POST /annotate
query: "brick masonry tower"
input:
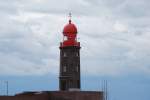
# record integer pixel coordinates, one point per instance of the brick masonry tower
(69, 76)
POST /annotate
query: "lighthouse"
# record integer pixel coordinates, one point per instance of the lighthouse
(69, 75)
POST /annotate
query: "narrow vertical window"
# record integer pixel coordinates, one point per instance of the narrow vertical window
(78, 83)
(64, 54)
(65, 37)
(64, 69)
(77, 68)
(77, 54)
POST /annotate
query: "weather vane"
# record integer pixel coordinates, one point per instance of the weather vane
(70, 15)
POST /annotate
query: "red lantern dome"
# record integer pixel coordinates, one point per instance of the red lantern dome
(70, 29)
(70, 35)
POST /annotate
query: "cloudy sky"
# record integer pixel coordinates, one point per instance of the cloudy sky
(114, 36)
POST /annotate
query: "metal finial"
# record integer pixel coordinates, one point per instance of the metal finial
(70, 15)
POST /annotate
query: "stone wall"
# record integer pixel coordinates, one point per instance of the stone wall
(56, 95)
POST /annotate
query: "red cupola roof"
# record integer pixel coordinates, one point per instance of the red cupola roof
(70, 35)
(70, 29)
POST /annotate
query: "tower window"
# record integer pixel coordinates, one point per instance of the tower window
(64, 54)
(77, 68)
(77, 54)
(78, 83)
(65, 69)
(65, 37)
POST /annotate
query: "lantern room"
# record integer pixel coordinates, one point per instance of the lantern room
(70, 35)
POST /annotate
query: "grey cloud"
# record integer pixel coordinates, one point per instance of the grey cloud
(23, 51)
(9, 7)
(30, 32)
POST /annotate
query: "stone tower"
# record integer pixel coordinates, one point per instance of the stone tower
(69, 76)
